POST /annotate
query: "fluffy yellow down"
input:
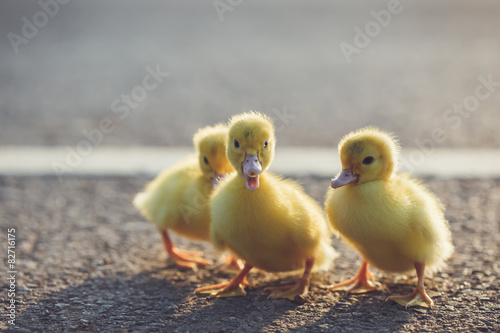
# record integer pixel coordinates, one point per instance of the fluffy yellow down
(276, 227)
(391, 219)
(177, 199)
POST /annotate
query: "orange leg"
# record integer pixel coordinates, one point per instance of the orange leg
(299, 289)
(360, 283)
(182, 258)
(417, 298)
(235, 287)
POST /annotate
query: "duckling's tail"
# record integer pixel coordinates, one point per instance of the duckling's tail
(151, 204)
(141, 203)
(443, 251)
(325, 256)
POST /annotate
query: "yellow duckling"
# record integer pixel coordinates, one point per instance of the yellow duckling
(268, 222)
(177, 199)
(393, 221)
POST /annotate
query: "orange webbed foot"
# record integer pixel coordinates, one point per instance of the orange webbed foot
(363, 282)
(226, 289)
(185, 264)
(418, 297)
(290, 292)
(300, 289)
(190, 257)
(235, 287)
(185, 259)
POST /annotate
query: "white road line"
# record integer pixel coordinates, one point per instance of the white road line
(289, 161)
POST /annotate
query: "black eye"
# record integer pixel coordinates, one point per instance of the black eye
(236, 144)
(266, 143)
(368, 160)
(205, 159)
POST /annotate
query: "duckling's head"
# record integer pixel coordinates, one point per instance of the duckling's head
(367, 154)
(210, 142)
(250, 145)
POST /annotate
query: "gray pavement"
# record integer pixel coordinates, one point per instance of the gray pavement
(87, 261)
(281, 57)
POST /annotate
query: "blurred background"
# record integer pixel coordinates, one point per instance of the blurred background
(320, 68)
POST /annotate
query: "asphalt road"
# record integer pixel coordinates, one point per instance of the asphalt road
(87, 261)
(80, 61)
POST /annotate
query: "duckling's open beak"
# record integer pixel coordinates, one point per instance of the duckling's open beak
(251, 168)
(344, 178)
(217, 178)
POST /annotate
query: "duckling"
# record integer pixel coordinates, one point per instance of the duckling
(177, 199)
(268, 222)
(391, 219)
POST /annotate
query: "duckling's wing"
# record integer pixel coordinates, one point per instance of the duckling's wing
(430, 242)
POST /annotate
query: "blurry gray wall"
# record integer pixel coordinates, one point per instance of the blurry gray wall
(285, 58)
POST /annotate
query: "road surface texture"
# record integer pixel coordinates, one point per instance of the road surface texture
(87, 261)
(281, 57)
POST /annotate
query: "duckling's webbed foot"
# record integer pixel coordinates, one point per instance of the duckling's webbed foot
(300, 289)
(226, 289)
(417, 298)
(291, 292)
(363, 282)
(235, 287)
(182, 258)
